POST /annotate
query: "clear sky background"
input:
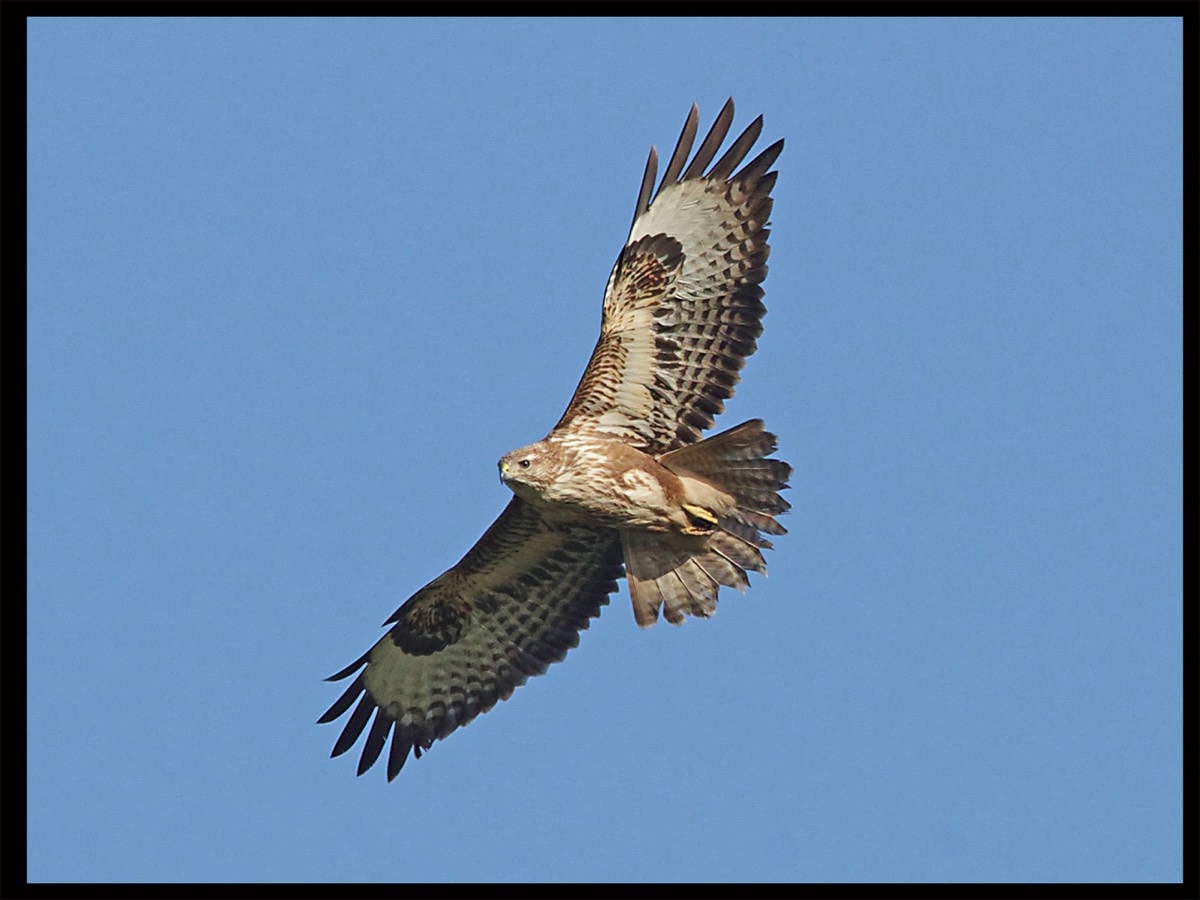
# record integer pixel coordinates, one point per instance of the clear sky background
(296, 285)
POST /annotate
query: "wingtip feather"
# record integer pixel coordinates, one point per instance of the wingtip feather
(682, 148)
(350, 669)
(737, 151)
(712, 142)
(355, 725)
(648, 178)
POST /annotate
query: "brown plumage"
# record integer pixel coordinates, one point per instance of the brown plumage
(623, 484)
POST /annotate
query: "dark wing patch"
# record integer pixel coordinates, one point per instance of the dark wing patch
(658, 383)
(511, 607)
(427, 627)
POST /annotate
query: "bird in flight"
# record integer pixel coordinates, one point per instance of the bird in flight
(624, 484)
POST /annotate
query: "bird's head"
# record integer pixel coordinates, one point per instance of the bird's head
(529, 470)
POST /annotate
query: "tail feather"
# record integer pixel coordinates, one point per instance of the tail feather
(735, 460)
(746, 532)
(762, 522)
(701, 593)
(682, 574)
(738, 550)
(663, 575)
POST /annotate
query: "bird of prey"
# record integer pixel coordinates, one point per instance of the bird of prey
(623, 485)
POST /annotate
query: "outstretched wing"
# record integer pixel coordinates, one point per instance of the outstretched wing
(683, 306)
(512, 606)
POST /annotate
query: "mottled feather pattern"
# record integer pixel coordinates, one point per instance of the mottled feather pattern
(606, 395)
(533, 588)
(663, 393)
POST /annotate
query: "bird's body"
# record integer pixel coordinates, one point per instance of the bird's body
(608, 483)
(623, 485)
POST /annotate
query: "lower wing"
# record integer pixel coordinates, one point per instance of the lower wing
(512, 606)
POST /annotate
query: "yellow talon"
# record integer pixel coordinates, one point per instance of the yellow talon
(698, 515)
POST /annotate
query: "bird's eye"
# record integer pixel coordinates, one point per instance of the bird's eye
(524, 464)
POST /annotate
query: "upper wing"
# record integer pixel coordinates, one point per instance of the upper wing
(683, 306)
(512, 606)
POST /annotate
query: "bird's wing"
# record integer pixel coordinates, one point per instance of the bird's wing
(512, 606)
(683, 306)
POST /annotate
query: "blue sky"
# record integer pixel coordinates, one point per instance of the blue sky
(296, 285)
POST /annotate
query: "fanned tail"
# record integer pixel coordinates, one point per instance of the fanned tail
(682, 573)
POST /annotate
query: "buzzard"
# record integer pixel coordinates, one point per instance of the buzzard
(624, 484)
